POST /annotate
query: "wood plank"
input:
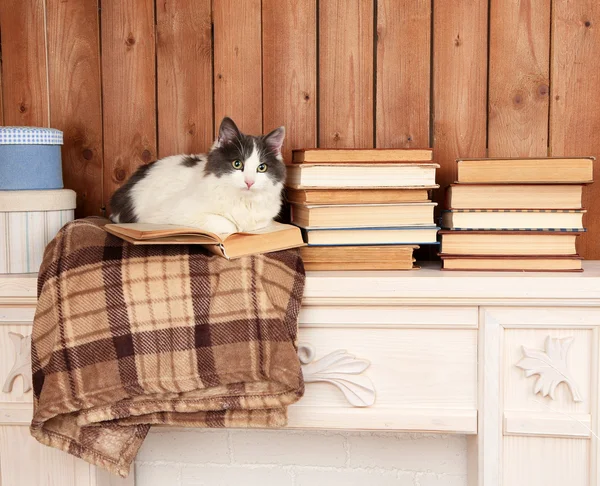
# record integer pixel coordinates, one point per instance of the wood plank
(519, 77)
(128, 82)
(403, 73)
(24, 72)
(290, 71)
(574, 105)
(184, 77)
(76, 97)
(459, 85)
(238, 72)
(345, 74)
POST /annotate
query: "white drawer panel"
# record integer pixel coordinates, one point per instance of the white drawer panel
(424, 379)
(389, 316)
(24, 313)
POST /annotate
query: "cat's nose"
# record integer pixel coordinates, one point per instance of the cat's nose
(249, 183)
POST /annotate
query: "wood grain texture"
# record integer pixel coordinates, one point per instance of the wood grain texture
(574, 109)
(290, 71)
(345, 73)
(459, 85)
(128, 82)
(184, 76)
(76, 97)
(403, 73)
(24, 68)
(519, 77)
(238, 58)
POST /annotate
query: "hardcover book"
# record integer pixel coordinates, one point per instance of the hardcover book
(363, 215)
(508, 243)
(512, 170)
(514, 219)
(361, 155)
(553, 263)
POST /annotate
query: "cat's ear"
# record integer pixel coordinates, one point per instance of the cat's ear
(274, 140)
(228, 131)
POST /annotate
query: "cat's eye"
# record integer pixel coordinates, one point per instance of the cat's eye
(237, 164)
(262, 168)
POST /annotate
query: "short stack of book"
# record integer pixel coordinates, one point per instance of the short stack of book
(515, 214)
(362, 209)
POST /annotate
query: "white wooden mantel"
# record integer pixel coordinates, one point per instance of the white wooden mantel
(512, 360)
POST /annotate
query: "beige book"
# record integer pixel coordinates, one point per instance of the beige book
(510, 196)
(363, 215)
(272, 238)
(357, 196)
(507, 243)
(541, 171)
(512, 263)
(362, 155)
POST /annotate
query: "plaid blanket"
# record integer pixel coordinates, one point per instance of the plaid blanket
(128, 336)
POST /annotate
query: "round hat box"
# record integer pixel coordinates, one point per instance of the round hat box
(28, 222)
(30, 158)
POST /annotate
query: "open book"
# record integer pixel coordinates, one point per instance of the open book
(274, 237)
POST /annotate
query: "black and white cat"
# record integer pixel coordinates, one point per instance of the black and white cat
(235, 187)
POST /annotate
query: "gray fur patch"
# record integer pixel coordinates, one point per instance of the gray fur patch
(121, 202)
(190, 160)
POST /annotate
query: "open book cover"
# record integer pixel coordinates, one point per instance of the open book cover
(274, 237)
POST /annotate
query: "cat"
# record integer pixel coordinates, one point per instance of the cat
(236, 187)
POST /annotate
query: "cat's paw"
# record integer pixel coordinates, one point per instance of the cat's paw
(219, 225)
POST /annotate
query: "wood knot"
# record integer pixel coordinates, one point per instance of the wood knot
(22, 108)
(543, 90)
(457, 41)
(305, 96)
(87, 154)
(120, 174)
(409, 139)
(587, 23)
(191, 128)
(146, 155)
(130, 41)
(336, 136)
(518, 99)
(219, 76)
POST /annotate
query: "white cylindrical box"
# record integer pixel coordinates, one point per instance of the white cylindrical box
(28, 221)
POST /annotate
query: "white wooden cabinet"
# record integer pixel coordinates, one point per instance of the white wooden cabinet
(426, 350)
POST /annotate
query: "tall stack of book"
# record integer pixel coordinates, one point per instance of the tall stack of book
(515, 214)
(362, 209)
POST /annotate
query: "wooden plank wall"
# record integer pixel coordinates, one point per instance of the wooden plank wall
(129, 81)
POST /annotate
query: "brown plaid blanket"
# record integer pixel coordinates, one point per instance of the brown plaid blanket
(127, 336)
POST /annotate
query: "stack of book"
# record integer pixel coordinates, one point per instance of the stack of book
(515, 214)
(362, 209)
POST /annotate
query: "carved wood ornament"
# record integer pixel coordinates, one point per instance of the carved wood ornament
(22, 364)
(550, 366)
(342, 370)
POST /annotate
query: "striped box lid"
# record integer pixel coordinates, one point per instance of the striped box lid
(37, 200)
(30, 136)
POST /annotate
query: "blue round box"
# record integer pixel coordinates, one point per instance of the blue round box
(30, 158)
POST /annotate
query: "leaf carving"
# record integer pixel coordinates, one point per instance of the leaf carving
(550, 366)
(22, 365)
(340, 369)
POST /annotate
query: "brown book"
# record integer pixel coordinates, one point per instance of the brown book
(508, 243)
(550, 170)
(512, 263)
(361, 155)
(361, 176)
(511, 196)
(363, 215)
(272, 238)
(359, 257)
(357, 196)
(514, 219)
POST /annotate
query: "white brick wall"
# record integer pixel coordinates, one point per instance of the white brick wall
(191, 457)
